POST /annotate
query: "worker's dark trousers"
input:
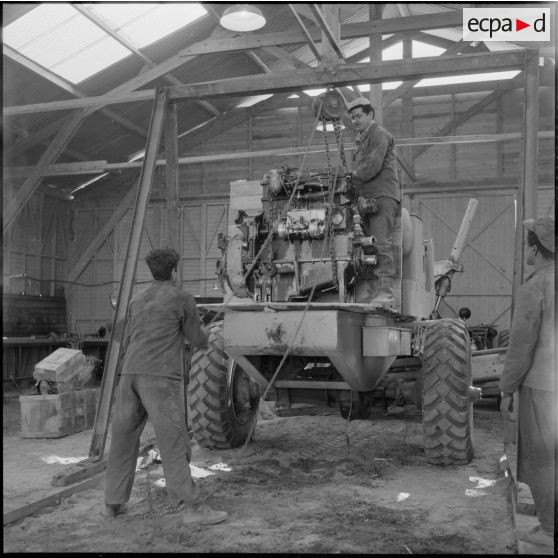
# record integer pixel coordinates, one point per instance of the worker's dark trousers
(381, 225)
(536, 443)
(162, 401)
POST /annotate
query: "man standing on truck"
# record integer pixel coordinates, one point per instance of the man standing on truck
(530, 368)
(159, 322)
(375, 172)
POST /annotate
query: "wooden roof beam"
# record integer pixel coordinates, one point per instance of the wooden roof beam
(328, 32)
(65, 134)
(344, 75)
(93, 167)
(351, 75)
(308, 39)
(69, 88)
(347, 31)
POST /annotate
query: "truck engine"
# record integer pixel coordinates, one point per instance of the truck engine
(308, 243)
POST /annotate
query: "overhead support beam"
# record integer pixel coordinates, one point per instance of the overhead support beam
(352, 74)
(307, 36)
(347, 31)
(97, 102)
(94, 167)
(330, 33)
(69, 88)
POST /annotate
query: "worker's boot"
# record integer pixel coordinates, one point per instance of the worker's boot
(112, 510)
(537, 536)
(385, 293)
(202, 514)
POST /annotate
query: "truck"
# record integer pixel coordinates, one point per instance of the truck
(292, 327)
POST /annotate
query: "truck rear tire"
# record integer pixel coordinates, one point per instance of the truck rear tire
(222, 400)
(447, 411)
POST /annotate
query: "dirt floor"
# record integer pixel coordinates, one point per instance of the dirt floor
(306, 484)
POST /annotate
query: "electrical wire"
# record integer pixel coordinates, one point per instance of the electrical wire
(105, 283)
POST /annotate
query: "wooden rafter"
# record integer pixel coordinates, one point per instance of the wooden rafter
(71, 126)
(352, 74)
(328, 32)
(471, 111)
(305, 33)
(347, 31)
(94, 167)
(69, 88)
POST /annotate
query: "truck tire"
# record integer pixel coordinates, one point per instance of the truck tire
(447, 411)
(222, 400)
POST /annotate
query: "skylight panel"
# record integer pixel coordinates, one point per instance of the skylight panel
(314, 92)
(64, 41)
(251, 101)
(143, 24)
(467, 78)
(91, 59)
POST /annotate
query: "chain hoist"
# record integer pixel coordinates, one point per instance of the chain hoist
(329, 107)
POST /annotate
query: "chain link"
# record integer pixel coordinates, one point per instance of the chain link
(339, 140)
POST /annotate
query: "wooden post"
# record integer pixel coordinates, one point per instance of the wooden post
(108, 384)
(527, 190)
(331, 16)
(407, 128)
(171, 149)
(375, 12)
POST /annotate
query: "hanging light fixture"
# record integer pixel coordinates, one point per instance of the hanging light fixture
(242, 17)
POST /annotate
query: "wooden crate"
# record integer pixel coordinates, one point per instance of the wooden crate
(54, 416)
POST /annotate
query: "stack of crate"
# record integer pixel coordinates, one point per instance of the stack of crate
(64, 405)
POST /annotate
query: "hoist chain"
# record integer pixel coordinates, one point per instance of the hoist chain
(339, 140)
(329, 240)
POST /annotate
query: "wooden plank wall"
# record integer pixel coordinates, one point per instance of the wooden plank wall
(37, 245)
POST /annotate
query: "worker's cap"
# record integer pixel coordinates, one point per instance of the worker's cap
(358, 102)
(544, 228)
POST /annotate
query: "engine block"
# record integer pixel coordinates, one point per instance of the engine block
(310, 237)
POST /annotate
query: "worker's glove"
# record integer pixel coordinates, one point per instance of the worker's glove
(366, 206)
(506, 406)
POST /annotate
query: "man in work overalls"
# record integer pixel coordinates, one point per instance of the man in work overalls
(530, 368)
(159, 321)
(374, 170)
